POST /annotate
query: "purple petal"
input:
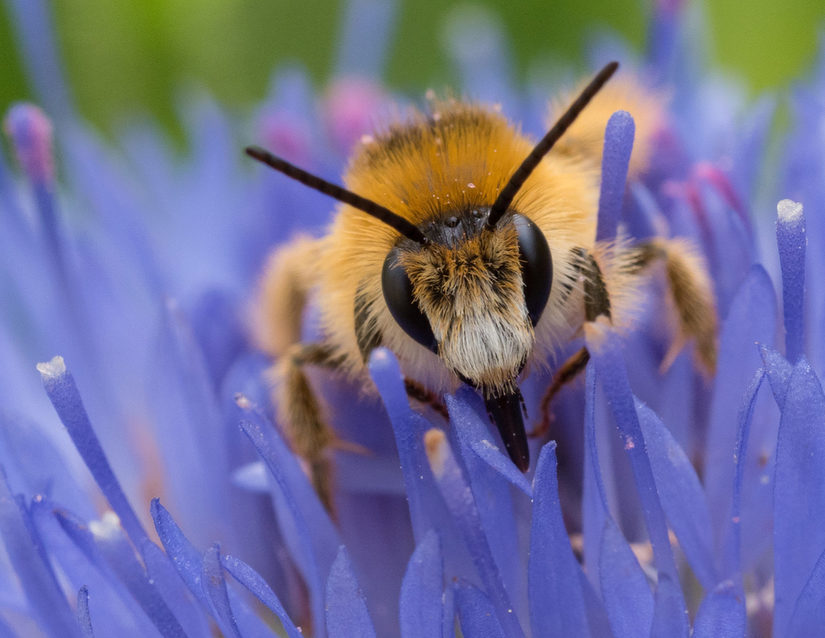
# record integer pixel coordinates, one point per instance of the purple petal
(427, 509)
(365, 36)
(476, 613)
(751, 320)
(162, 573)
(722, 613)
(595, 511)
(73, 549)
(305, 525)
(185, 558)
(120, 556)
(83, 618)
(628, 600)
(791, 239)
(346, 609)
(732, 553)
(618, 144)
(808, 617)
(779, 371)
(554, 576)
(491, 475)
(27, 557)
(34, 464)
(188, 428)
(40, 55)
(475, 435)
(458, 496)
(480, 54)
(62, 392)
(799, 491)
(250, 579)
(603, 347)
(422, 590)
(214, 586)
(681, 494)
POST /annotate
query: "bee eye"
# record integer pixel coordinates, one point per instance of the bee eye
(536, 266)
(398, 293)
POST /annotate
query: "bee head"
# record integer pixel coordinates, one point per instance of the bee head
(472, 294)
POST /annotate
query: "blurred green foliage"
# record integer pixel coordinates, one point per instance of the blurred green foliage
(134, 55)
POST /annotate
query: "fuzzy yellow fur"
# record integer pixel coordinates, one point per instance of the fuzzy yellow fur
(455, 158)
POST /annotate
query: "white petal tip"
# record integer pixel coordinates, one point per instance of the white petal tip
(51, 369)
(789, 211)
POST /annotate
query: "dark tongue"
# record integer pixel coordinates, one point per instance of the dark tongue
(505, 412)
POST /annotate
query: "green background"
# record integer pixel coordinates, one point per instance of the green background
(129, 56)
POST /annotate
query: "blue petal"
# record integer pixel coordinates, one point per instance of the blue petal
(83, 618)
(458, 496)
(618, 143)
(681, 494)
(791, 240)
(40, 55)
(779, 371)
(185, 558)
(627, 597)
(250, 579)
(73, 550)
(475, 435)
(121, 558)
(491, 475)
(554, 576)
(799, 491)
(62, 392)
(368, 25)
(603, 347)
(751, 320)
(595, 510)
(162, 573)
(188, 429)
(481, 56)
(476, 614)
(346, 609)
(808, 617)
(26, 554)
(427, 508)
(308, 532)
(732, 552)
(34, 464)
(214, 586)
(422, 589)
(722, 613)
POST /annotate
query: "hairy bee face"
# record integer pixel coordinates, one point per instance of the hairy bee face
(472, 295)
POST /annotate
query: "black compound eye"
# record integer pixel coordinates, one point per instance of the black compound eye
(536, 266)
(398, 293)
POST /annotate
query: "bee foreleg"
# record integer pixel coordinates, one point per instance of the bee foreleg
(596, 304)
(300, 413)
(691, 295)
(417, 391)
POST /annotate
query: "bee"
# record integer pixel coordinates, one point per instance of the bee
(471, 253)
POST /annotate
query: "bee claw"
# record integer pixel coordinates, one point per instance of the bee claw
(350, 446)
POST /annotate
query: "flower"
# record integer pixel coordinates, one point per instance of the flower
(666, 504)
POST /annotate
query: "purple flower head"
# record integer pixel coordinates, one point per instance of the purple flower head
(147, 489)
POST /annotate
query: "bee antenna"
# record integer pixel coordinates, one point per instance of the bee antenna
(505, 197)
(403, 226)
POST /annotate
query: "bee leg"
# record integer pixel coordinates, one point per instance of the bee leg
(300, 413)
(421, 394)
(691, 296)
(569, 370)
(596, 304)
